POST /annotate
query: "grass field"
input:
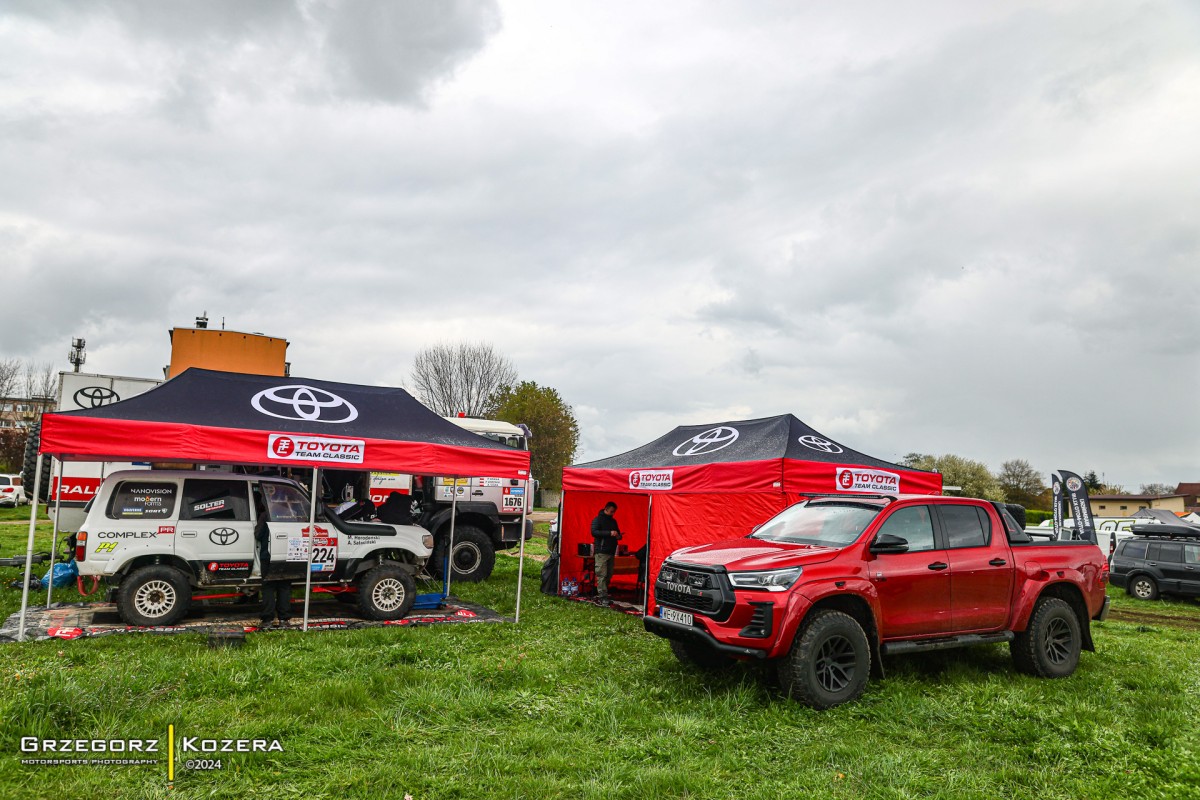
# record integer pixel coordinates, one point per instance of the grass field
(579, 702)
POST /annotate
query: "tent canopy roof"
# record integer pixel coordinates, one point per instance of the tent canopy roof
(206, 415)
(769, 438)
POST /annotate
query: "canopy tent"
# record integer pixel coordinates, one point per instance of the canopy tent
(231, 418)
(705, 483)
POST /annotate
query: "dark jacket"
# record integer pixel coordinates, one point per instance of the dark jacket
(262, 537)
(604, 532)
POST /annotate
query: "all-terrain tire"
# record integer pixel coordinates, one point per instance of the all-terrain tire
(700, 657)
(1143, 587)
(156, 595)
(29, 466)
(474, 555)
(829, 663)
(386, 592)
(1049, 647)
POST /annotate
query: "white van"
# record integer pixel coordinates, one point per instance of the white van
(161, 537)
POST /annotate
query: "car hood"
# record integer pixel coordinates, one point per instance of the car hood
(747, 555)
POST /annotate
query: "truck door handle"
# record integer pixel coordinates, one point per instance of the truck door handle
(477, 492)
(938, 565)
(997, 562)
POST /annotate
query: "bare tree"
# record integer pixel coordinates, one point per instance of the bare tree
(40, 385)
(1156, 488)
(1021, 482)
(10, 377)
(463, 377)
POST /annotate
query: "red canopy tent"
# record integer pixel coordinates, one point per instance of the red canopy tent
(207, 416)
(705, 483)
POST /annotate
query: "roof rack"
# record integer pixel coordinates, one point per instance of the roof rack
(1167, 530)
(891, 498)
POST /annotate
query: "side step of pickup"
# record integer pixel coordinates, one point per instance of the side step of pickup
(928, 645)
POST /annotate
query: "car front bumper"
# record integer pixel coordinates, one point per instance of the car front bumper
(689, 633)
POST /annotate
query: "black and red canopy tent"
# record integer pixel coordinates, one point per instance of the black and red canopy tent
(232, 418)
(705, 483)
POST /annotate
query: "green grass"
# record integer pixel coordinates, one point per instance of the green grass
(21, 513)
(577, 702)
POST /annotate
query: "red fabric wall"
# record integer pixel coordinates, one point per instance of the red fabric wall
(681, 520)
(578, 511)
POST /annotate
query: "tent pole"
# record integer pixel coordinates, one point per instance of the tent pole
(646, 585)
(37, 488)
(312, 535)
(448, 566)
(54, 536)
(521, 558)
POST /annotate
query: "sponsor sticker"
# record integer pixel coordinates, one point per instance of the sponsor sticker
(861, 479)
(293, 447)
(652, 479)
(1074, 484)
(166, 530)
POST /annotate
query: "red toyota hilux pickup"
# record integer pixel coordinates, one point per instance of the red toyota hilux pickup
(828, 586)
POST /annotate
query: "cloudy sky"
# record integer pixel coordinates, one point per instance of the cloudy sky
(936, 227)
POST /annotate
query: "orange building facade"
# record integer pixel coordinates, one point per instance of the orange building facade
(230, 351)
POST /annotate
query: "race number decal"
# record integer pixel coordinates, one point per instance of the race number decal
(324, 553)
(513, 501)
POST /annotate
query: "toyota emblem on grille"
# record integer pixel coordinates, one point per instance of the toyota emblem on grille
(709, 441)
(223, 536)
(95, 396)
(306, 403)
(817, 443)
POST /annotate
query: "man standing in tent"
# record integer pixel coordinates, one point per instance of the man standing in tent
(605, 533)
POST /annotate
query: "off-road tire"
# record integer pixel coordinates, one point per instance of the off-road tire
(29, 466)
(1049, 646)
(701, 657)
(829, 663)
(474, 555)
(385, 592)
(153, 596)
(1143, 587)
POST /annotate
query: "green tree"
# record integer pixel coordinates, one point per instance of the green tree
(1021, 483)
(972, 476)
(555, 430)
(1092, 481)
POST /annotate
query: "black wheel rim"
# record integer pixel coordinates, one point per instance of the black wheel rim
(835, 664)
(1059, 641)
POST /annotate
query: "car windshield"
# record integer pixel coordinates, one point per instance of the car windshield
(825, 524)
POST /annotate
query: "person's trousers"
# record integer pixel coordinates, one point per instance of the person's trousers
(604, 568)
(277, 600)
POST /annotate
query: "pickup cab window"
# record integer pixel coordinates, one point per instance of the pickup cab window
(965, 526)
(913, 525)
(823, 524)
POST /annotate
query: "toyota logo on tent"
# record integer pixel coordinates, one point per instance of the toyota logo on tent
(305, 403)
(95, 396)
(223, 536)
(817, 443)
(709, 441)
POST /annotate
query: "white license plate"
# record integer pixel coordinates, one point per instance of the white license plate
(671, 615)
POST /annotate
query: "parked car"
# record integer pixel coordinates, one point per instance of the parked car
(161, 538)
(828, 586)
(12, 493)
(1159, 559)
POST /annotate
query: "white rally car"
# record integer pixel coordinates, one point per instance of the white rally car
(158, 537)
(12, 493)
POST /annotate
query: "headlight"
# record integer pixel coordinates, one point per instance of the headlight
(427, 540)
(777, 580)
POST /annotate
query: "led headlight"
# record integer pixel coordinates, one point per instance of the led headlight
(776, 580)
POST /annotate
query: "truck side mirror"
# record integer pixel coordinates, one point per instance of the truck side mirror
(887, 543)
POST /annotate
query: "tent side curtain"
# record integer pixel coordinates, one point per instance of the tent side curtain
(740, 476)
(578, 511)
(683, 520)
(74, 437)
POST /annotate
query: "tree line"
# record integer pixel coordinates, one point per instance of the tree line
(31, 385)
(476, 380)
(1016, 482)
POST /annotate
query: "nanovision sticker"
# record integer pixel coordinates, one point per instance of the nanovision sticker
(655, 479)
(860, 479)
(292, 447)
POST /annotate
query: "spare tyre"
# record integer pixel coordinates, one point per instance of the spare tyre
(33, 439)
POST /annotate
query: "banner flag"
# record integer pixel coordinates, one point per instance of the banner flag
(1058, 502)
(1081, 510)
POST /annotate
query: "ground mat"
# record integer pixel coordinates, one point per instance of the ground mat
(89, 620)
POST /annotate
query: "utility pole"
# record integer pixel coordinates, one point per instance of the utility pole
(77, 356)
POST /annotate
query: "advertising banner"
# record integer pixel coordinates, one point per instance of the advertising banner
(1081, 510)
(1058, 500)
